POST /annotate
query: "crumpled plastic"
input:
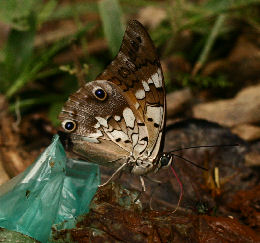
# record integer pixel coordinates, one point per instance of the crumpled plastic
(54, 189)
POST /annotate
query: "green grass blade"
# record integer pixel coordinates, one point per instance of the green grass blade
(111, 15)
(68, 10)
(209, 43)
(17, 53)
(31, 72)
(46, 11)
(220, 6)
(15, 13)
(50, 98)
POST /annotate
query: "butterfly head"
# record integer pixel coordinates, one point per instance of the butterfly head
(165, 160)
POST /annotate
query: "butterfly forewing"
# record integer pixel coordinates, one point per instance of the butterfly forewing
(137, 71)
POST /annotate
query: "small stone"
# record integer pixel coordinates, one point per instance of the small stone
(252, 158)
(177, 100)
(247, 132)
(151, 16)
(243, 108)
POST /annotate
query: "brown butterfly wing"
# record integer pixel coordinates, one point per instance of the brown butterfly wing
(137, 71)
(100, 135)
(130, 121)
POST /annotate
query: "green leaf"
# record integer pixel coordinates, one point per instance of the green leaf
(16, 12)
(47, 11)
(113, 26)
(47, 99)
(18, 52)
(219, 6)
(68, 10)
(31, 72)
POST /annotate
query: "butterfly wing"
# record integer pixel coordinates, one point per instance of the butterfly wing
(100, 136)
(137, 71)
(131, 118)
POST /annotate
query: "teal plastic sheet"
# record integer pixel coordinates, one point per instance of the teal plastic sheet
(52, 190)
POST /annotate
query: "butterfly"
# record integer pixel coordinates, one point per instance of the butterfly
(118, 120)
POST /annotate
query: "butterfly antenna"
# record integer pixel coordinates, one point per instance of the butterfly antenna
(206, 146)
(199, 146)
(181, 189)
(189, 161)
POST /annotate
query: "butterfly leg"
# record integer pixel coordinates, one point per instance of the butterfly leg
(114, 174)
(143, 188)
(142, 183)
(153, 189)
(153, 180)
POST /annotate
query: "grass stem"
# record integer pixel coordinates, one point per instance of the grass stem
(209, 43)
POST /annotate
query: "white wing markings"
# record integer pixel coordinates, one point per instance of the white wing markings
(102, 121)
(146, 86)
(142, 141)
(134, 138)
(129, 117)
(93, 137)
(156, 113)
(155, 150)
(119, 135)
(117, 118)
(97, 125)
(157, 78)
(140, 94)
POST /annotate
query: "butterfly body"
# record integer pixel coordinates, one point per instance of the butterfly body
(118, 120)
